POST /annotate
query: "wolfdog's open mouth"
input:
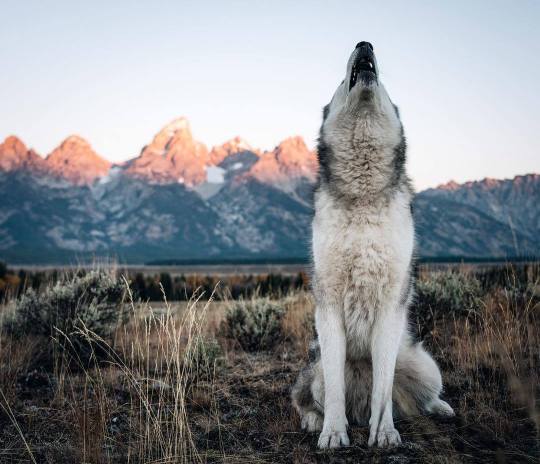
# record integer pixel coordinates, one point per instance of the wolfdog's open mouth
(364, 64)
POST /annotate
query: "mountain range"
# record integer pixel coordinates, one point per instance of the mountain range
(179, 200)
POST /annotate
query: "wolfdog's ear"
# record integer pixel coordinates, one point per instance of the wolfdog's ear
(396, 109)
(325, 111)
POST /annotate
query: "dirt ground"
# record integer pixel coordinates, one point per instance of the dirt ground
(245, 415)
(143, 406)
(257, 422)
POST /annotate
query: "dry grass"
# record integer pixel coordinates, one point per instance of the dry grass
(141, 389)
(298, 322)
(499, 349)
(168, 394)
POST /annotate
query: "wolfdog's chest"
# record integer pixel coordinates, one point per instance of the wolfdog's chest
(361, 258)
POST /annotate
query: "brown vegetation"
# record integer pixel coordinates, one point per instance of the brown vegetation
(173, 388)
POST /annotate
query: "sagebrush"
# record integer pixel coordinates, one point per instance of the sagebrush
(64, 315)
(254, 324)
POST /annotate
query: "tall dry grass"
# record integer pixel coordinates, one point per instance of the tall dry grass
(299, 322)
(155, 362)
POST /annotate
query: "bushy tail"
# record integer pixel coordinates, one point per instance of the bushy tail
(417, 386)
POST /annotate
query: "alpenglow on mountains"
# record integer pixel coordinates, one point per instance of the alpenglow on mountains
(179, 200)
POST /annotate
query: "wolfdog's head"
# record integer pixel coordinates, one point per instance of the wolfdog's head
(361, 93)
(361, 142)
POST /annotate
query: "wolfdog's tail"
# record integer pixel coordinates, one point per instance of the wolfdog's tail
(417, 386)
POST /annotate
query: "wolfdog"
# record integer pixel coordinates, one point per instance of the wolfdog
(362, 244)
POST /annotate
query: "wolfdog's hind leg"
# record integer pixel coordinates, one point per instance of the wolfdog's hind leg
(303, 401)
(312, 421)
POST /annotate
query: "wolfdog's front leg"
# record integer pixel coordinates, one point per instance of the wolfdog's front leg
(386, 339)
(331, 333)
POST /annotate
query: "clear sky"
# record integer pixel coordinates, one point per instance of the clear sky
(465, 74)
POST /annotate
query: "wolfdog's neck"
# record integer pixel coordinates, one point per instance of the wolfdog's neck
(362, 158)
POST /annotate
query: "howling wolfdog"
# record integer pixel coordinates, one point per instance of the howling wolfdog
(363, 239)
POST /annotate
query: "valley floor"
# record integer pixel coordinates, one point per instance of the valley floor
(176, 386)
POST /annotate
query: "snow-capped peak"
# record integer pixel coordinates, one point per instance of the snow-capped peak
(177, 125)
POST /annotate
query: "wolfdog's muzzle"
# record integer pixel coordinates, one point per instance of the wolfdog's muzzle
(364, 66)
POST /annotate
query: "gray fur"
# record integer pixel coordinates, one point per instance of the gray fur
(333, 169)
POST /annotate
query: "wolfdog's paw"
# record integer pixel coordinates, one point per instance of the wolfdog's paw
(312, 422)
(441, 408)
(384, 438)
(333, 439)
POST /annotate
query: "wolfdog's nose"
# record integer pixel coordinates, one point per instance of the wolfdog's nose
(364, 44)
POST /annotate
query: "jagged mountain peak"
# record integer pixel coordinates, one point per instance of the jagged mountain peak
(172, 156)
(238, 144)
(293, 151)
(14, 155)
(76, 140)
(76, 161)
(180, 124)
(230, 147)
(294, 142)
(289, 161)
(177, 128)
(12, 145)
(175, 132)
(450, 186)
(487, 183)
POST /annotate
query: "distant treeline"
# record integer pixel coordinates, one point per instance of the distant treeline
(306, 260)
(227, 261)
(182, 287)
(156, 286)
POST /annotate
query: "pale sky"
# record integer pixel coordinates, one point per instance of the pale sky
(465, 74)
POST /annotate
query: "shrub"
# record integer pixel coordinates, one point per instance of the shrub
(445, 293)
(255, 324)
(63, 315)
(204, 355)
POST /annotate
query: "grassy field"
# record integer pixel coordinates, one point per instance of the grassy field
(128, 380)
